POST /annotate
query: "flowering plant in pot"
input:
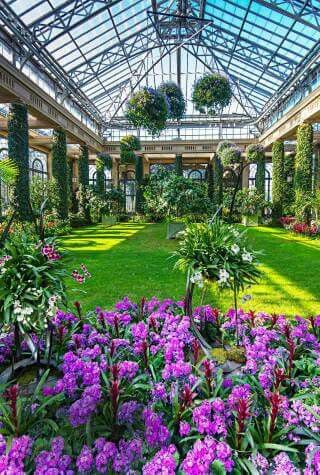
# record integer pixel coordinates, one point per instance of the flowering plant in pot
(216, 252)
(251, 203)
(211, 93)
(148, 108)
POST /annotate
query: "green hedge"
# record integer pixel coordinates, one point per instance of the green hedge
(278, 179)
(139, 184)
(179, 165)
(60, 171)
(18, 150)
(303, 162)
(83, 165)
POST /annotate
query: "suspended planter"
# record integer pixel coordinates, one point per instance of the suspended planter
(149, 109)
(211, 94)
(176, 100)
(228, 153)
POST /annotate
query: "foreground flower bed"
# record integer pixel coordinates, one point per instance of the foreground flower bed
(136, 394)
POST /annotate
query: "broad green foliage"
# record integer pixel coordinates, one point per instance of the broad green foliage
(44, 190)
(255, 154)
(29, 280)
(177, 103)
(211, 94)
(169, 195)
(60, 171)
(217, 252)
(8, 171)
(179, 165)
(128, 145)
(18, 150)
(278, 179)
(139, 184)
(148, 108)
(303, 164)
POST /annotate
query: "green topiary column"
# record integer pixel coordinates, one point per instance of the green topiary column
(217, 182)
(289, 195)
(139, 184)
(179, 165)
(18, 151)
(256, 155)
(278, 179)
(83, 167)
(303, 162)
(210, 182)
(60, 171)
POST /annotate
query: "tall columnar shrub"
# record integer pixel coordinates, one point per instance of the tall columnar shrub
(103, 161)
(83, 167)
(139, 184)
(289, 195)
(217, 182)
(255, 154)
(210, 182)
(18, 149)
(179, 165)
(278, 178)
(60, 171)
(303, 162)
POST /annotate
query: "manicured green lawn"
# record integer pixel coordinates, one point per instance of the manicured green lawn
(134, 260)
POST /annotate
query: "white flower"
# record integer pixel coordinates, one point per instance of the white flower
(197, 279)
(223, 276)
(247, 257)
(235, 249)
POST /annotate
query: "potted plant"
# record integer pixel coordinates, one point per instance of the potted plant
(114, 204)
(251, 204)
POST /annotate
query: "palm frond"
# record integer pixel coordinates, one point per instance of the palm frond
(8, 171)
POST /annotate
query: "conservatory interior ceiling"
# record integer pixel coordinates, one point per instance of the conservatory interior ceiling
(105, 49)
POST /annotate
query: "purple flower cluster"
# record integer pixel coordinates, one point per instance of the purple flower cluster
(49, 251)
(163, 462)
(119, 458)
(54, 461)
(204, 452)
(13, 461)
(210, 418)
(156, 433)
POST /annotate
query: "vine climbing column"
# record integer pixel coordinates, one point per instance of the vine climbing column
(60, 171)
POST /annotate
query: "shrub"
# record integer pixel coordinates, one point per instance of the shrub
(177, 103)
(139, 184)
(148, 108)
(211, 93)
(250, 201)
(18, 150)
(278, 179)
(60, 171)
(303, 164)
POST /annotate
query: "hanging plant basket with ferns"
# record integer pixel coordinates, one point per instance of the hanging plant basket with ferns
(211, 93)
(149, 109)
(175, 98)
(128, 145)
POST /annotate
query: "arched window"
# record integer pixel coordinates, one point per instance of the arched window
(128, 186)
(267, 179)
(196, 175)
(38, 165)
(107, 179)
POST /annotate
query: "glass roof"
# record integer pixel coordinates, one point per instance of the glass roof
(112, 47)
